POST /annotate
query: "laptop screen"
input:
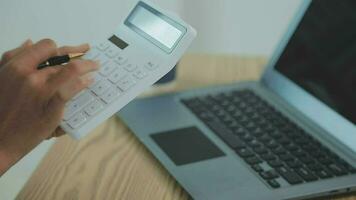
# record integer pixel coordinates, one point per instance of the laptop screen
(321, 55)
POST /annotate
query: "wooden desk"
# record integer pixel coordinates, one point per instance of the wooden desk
(111, 163)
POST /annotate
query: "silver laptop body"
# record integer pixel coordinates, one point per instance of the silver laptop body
(208, 168)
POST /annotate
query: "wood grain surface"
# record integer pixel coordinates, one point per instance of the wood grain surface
(111, 163)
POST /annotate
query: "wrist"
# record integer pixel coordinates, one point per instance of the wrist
(5, 161)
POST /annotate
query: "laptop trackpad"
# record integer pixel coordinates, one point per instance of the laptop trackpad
(187, 145)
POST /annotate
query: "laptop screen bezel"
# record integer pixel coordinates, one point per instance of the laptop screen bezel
(318, 112)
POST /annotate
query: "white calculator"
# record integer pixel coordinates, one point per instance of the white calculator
(146, 46)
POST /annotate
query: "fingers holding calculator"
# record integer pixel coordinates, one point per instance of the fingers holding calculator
(39, 94)
(33, 101)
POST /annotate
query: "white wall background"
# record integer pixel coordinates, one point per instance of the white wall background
(239, 26)
(225, 26)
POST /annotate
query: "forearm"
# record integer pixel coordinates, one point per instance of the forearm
(13, 147)
(5, 161)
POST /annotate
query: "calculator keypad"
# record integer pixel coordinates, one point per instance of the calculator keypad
(116, 76)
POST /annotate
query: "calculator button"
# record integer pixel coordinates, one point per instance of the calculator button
(101, 87)
(77, 95)
(77, 120)
(130, 67)
(116, 75)
(91, 54)
(102, 59)
(76, 105)
(126, 83)
(151, 66)
(103, 46)
(94, 107)
(140, 74)
(111, 52)
(97, 78)
(110, 95)
(107, 68)
(120, 59)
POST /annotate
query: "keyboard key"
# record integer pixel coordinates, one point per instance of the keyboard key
(307, 160)
(337, 170)
(272, 144)
(234, 142)
(260, 150)
(306, 174)
(325, 160)
(77, 120)
(284, 141)
(94, 107)
(299, 154)
(253, 160)
(294, 164)
(244, 153)
(257, 168)
(315, 167)
(126, 83)
(286, 157)
(76, 105)
(226, 135)
(206, 116)
(247, 137)
(101, 87)
(268, 156)
(291, 147)
(279, 150)
(273, 183)
(290, 176)
(254, 143)
(108, 68)
(323, 174)
(275, 163)
(271, 174)
(110, 95)
(140, 74)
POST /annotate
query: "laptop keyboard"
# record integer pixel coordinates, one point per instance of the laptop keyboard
(277, 149)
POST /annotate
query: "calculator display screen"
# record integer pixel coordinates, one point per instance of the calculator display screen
(156, 27)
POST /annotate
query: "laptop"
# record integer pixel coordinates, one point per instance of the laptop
(291, 135)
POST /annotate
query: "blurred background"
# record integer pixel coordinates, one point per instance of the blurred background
(241, 27)
(224, 26)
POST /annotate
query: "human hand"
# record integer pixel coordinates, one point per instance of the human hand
(32, 101)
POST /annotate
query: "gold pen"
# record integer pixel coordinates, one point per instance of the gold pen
(59, 60)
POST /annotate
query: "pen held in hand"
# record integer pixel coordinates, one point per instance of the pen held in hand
(59, 60)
